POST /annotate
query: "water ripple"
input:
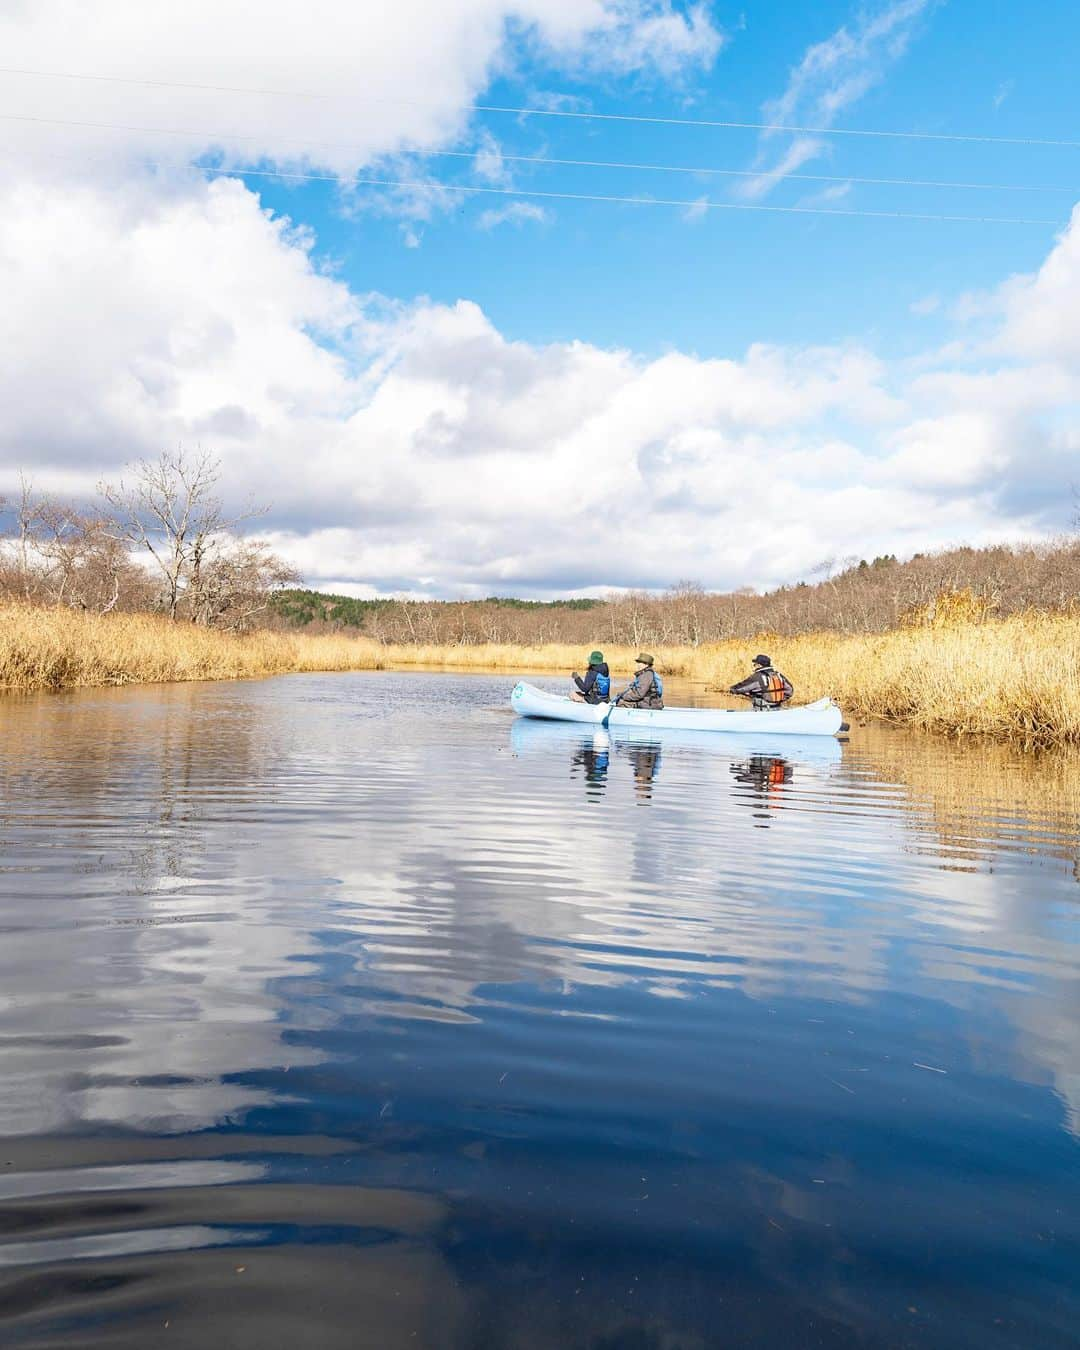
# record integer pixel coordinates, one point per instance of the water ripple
(348, 1011)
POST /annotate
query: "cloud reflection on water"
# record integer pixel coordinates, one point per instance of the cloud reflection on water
(207, 846)
(345, 1002)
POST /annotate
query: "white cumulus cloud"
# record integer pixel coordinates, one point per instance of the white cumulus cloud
(333, 85)
(416, 448)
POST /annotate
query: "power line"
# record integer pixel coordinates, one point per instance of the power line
(752, 173)
(557, 112)
(547, 159)
(700, 204)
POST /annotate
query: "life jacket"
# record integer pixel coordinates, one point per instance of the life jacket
(658, 684)
(776, 689)
(602, 685)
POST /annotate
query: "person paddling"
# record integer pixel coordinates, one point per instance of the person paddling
(595, 685)
(766, 688)
(645, 690)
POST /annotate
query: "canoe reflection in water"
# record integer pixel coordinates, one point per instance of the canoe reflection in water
(751, 771)
(766, 776)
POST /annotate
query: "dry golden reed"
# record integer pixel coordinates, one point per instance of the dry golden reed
(62, 648)
(1013, 677)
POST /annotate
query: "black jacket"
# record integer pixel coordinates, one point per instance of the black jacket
(755, 685)
(586, 684)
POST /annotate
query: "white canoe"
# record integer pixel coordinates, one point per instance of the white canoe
(811, 719)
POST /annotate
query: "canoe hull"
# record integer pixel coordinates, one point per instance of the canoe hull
(812, 719)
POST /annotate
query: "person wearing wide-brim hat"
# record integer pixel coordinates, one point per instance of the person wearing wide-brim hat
(595, 685)
(645, 690)
(766, 688)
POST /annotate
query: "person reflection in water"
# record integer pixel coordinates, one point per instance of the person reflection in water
(646, 762)
(593, 756)
(767, 775)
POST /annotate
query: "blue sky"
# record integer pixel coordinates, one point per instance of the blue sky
(468, 394)
(645, 278)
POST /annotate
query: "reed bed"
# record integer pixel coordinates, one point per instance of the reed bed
(1017, 677)
(62, 649)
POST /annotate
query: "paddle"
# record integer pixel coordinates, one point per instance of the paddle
(614, 704)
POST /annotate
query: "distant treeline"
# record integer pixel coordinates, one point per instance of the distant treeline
(160, 540)
(303, 609)
(854, 597)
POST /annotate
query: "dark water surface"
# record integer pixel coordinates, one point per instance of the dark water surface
(342, 1011)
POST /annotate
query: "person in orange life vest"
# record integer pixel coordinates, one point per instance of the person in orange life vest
(766, 688)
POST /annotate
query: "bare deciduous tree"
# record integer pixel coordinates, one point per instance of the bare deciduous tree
(83, 564)
(26, 523)
(61, 555)
(235, 582)
(169, 508)
(166, 519)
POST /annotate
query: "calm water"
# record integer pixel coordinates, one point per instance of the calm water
(343, 1011)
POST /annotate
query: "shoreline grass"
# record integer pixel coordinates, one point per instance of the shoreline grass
(1012, 678)
(53, 649)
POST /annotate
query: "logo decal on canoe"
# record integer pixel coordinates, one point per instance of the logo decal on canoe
(519, 689)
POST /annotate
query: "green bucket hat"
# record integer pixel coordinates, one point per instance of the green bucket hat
(643, 659)
(596, 658)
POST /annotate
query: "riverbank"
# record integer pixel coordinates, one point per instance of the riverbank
(1017, 677)
(65, 649)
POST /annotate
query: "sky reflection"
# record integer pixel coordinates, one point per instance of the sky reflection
(481, 953)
